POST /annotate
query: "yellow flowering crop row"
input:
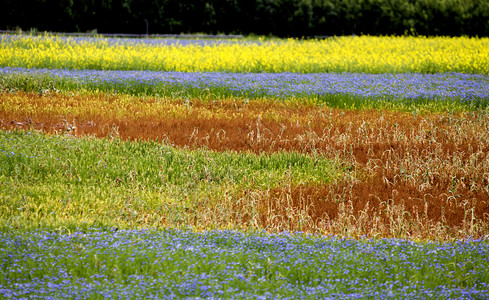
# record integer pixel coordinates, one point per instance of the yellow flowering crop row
(339, 54)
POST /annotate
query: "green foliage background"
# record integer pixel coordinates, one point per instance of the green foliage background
(264, 17)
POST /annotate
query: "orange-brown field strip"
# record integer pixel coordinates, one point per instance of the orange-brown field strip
(417, 173)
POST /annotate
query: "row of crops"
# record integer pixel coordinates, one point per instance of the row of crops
(352, 167)
(334, 89)
(361, 54)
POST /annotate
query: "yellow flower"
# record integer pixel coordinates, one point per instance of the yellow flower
(338, 54)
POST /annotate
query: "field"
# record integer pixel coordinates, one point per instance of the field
(351, 167)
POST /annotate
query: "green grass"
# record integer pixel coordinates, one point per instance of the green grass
(65, 181)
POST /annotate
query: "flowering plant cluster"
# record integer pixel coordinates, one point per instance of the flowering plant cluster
(321, 87)
(173, 264)
(364, 54)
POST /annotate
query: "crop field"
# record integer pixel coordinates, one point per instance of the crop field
(350, 167)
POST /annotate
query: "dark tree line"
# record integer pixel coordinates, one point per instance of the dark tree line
(293, 18)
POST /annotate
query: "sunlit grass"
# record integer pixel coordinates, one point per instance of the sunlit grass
(49, 181)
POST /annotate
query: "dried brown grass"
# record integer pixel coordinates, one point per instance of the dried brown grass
(422, 175)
